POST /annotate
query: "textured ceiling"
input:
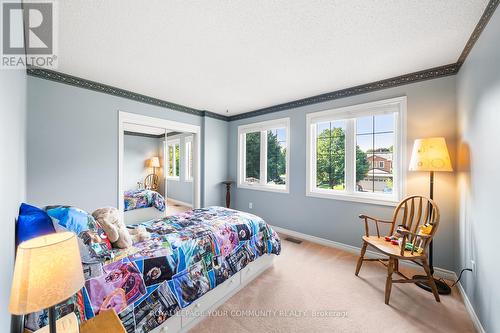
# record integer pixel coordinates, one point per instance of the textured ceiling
(245, 55)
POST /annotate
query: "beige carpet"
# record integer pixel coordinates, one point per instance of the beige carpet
(174, 208)
(309, 277)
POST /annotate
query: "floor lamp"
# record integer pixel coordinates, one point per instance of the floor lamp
(431, 155)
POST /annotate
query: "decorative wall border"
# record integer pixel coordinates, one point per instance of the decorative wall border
(483, 21)
(428, 74)
(110, 90)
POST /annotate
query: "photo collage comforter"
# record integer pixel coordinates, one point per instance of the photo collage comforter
(135, 199)
(187, 255)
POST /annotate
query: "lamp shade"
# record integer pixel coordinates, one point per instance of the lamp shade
(154, 162)
(430, 154)
(48, 270)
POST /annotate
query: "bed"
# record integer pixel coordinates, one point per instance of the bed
(193, 261)
(136, 199)
(143, 205)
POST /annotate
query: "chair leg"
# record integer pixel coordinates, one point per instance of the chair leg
(388, 282)
(361, 256)
(430, 279)
(396, 265)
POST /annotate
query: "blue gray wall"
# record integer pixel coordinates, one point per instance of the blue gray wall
(478, 91)
(12, 174)
(72, 144)
(215, 155)
(431, 112)
(180, 189)
(136, 151)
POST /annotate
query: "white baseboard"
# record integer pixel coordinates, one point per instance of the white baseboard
(178, 202)
(438, 272)
(470, 309)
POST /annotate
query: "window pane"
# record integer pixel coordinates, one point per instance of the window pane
(330, 155)
(364, 125)
(384, 123)
(252, 153)
(374, 154)
(276, 156)
(177, 165)
(170, 161)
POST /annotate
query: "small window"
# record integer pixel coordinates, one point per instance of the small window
(189, 158)
(173, 159)
(263, 155)
(356, 153)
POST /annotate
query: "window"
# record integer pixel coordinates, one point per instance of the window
(173, 159)
(189, 158)
(263, 156)
(355, 153)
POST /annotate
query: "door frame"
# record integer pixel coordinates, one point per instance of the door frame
(133, 118)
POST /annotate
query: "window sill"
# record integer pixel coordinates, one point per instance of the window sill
(268, 188)
(369, 199)
(173, 178)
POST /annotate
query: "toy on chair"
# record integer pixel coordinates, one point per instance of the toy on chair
(396, 236)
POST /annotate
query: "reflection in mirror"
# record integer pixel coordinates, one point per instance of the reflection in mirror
(157, 180)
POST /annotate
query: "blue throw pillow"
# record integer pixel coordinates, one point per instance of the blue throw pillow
(32, 222)
(72, 218)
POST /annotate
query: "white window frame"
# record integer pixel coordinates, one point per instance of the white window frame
(349, 114)
(262, 127)
(188, 151)
(173, 143)
(381, 164)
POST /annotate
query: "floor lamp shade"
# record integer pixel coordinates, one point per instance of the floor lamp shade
(48, 270)
(154, 162)
(430, 154)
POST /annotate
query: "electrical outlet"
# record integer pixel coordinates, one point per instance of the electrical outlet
(473, 266)
(250, 205)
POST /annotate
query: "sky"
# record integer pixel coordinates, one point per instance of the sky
(378, 130)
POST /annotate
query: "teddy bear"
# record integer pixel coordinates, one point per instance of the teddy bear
(118, 233)
(139, 234)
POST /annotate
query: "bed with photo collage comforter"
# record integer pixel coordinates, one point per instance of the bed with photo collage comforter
(135, 199)
(187, 255)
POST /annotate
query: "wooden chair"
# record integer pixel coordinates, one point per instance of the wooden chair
(410, 213)
(151, 182)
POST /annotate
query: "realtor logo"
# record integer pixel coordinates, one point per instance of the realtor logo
(28, 34)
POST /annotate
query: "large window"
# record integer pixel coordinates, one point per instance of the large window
(355, 153)
(263, 155)
(173, 159)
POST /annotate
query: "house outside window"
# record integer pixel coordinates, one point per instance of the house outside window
(356, 153)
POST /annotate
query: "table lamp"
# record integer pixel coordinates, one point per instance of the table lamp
(48, 270)
(154, 162)
(431, 154)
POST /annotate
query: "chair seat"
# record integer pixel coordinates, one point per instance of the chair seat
(390, 249)
(106, 321)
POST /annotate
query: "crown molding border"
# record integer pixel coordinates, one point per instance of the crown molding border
(405, 79)
(483, 21)
(79, 82)
(428, 74)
